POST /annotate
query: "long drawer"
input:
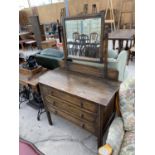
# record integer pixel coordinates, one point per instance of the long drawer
(71, 108)
(73, 118)
(87, 105)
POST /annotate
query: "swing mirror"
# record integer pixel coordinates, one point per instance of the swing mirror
(84, 37)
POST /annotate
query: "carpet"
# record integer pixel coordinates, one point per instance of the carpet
(27, 148)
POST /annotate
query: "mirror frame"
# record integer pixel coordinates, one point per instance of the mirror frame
(101, 51)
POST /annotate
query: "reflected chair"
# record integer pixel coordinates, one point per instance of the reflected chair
(84, 44)
(93, 37)
(75, 46)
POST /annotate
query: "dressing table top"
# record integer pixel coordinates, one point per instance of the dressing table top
(94, 89)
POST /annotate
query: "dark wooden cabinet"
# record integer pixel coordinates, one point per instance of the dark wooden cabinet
(87, 101)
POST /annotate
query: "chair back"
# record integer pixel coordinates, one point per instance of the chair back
(76, 36)
(93, 37)
(122, 59)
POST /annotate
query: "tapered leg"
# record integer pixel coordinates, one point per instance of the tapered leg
(49, 117)
(100, 134)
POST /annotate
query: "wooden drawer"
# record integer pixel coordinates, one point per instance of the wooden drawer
(71, 108)
(70, 117)
(87, 105)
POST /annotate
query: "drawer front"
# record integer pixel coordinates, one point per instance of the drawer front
(90, 106)
(70, 108)
(73, 119)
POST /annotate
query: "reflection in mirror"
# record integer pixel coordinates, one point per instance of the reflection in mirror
(83, 38)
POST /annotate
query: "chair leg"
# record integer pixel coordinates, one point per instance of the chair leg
(39, 113)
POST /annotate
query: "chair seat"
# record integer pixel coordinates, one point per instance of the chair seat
(128, 145)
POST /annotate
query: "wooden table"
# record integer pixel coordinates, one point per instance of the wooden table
(32, 83)
(122, 35)
(87, 101)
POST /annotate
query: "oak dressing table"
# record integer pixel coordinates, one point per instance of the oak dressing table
(81, 93)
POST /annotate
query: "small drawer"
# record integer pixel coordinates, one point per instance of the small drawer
(82, 103)
(73, 119)
(69, 107)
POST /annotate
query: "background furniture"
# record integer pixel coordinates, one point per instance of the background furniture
(38, 30)
(110, 21)
(124, 11)
(26, 39)
(49, 58)
(32, 89)
(30, 43)
(127, 35)
(118, 62)
(121, 135)
(48, 43)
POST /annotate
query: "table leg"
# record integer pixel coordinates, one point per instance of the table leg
(113, 42)
(49, 117)
(100, 135)
(129, 54)
(126, 48)
(120, 42)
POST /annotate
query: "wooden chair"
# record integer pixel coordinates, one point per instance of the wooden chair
(84, 39)
(75, 46)
(30, 43)
(76, 36)
(93, 37)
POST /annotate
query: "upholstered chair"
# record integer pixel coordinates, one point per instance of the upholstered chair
(121, 134)
(118, 62)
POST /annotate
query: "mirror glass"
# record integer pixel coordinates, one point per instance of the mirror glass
(83, 38)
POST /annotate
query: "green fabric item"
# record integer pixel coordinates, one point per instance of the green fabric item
(49, 58)
(52, 52)
(119, 64)
(112, 54)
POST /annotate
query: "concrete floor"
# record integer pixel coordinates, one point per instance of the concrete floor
(63, 138)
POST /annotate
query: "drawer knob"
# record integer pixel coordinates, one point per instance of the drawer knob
(54, 103)
(82, 125)
(55, 112)
(81, 115)
(81, 104)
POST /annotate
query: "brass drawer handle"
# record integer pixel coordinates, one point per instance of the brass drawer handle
(82, 125)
